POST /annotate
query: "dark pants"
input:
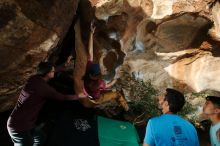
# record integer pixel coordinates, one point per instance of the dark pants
(33, 137)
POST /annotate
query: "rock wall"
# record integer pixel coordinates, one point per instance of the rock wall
(173, 43)
(29, 30)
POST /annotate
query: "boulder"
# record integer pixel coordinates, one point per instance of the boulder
(29, 31)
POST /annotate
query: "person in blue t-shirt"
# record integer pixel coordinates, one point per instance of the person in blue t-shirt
(170, 129)
(212, 110)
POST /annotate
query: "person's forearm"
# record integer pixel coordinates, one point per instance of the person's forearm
(91, 46)
(109, 85)
(73, 97)
(76, 97)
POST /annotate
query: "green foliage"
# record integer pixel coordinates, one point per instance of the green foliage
(143, 102)
(143, 99)
(199, 94)
(141, 95)
(188, 111)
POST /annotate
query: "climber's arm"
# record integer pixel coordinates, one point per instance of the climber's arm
(110, 84)
(92, 30)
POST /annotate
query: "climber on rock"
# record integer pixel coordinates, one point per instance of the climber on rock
(21, 123)
(94, 84)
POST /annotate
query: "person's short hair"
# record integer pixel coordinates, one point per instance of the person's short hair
(44, 68)
(215, 100)
(175, 100)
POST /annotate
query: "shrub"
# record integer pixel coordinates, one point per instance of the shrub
(141, 96)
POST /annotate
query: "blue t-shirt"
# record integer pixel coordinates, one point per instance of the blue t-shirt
(213, 135)
(170, 130)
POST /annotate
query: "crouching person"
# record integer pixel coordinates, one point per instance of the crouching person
(169, 129)
(21, 122)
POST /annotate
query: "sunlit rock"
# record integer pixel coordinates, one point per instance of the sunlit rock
(154, 40)
(216, 18)
(173, 43)
(162, 8)
(200, 72)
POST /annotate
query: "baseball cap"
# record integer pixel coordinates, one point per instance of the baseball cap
(94, 69)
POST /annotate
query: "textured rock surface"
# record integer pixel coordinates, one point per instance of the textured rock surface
(29, 29)
(156, 36)
(216, 18)
(170, 42)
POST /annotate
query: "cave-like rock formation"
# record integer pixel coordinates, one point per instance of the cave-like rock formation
(29, 31)
(172, 43)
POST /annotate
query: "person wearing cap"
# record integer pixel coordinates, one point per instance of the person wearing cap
(94, 84)
(170, 129)
(211, 109)
(21, 123)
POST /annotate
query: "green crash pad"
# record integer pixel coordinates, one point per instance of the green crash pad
(116, 133)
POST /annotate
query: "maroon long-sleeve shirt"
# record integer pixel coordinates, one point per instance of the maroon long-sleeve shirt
(31, 99)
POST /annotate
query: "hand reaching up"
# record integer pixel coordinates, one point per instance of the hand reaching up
(92, 27)
(68, 60)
